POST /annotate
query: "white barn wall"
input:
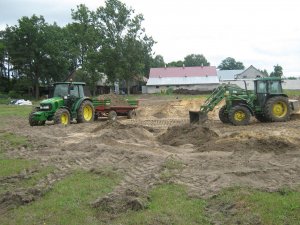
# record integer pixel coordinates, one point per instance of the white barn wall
(199, 87)
(286, 85)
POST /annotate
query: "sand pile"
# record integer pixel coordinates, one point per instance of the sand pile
(187, 134)
(116, 100)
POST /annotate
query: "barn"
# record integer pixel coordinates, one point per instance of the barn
(201, 78)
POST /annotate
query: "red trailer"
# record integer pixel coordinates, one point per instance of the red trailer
(104, 108)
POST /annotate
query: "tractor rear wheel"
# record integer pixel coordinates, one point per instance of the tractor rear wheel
(85, 112)
(112, 115)
(62, 116)
(223, 115)
(277, 109)
(239, 115)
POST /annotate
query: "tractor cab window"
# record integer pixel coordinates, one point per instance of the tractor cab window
(261, 87)
(275, 87)
(61, 90)
(74, 91)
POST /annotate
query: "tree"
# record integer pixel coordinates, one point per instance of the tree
(195, 60)
(36, 50)
(230, 64)
(126, 47)
(175, 64)
(157, 61)
(277, 71)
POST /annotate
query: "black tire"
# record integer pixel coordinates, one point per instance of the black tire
(85, 113)
(261, 117)
(277, 109)
(33, 122)
(112, 115)
(223, 115)
(62, 116)
(239, 115)
(131, 114)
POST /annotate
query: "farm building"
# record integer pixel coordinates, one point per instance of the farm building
(202, 78)
(249, 73)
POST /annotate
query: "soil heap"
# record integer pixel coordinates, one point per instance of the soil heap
(116, 100)
(187, 134)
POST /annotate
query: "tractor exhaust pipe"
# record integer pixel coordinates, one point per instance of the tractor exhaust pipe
(197, 117)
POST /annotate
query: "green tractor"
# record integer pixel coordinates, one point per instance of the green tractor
(68, 103)
(267, 103)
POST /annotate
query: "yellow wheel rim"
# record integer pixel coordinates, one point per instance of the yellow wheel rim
(87, 113)
(239, 116)
(64, 119)
(279, 109)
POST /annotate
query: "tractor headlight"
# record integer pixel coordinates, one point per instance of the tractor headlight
(45, 107)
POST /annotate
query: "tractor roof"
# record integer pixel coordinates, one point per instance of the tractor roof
(74, 83)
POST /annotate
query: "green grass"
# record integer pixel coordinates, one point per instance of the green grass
(8, 140)
(67, 203)
(15, 166)
(169, 204)
(248, 206)
(14, 111)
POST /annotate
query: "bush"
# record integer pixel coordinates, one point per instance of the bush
(13, 94)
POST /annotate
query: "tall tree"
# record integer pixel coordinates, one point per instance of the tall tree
(126, 47)
(158, 61)
(230, 64)
(175, 64)
(195, 60)
(277, 71)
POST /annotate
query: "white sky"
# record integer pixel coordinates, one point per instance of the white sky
(261, 33)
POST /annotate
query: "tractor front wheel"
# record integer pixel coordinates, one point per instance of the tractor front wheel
(62, 116)
(85, 112)
(277, 109)
(239, 115)
(223, 115)
(32, 121)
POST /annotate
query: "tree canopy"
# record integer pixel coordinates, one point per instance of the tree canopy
(277, 71)
(109, 40)
(195, 60)
(230, 64)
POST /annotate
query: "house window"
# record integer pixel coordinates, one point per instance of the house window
(156, 86)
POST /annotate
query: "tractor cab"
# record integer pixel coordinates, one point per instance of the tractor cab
(267, 87)
(66, 89)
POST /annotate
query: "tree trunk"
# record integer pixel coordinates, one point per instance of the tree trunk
(128, 87)
(37, 90)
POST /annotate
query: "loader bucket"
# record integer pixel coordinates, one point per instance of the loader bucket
(197, 117)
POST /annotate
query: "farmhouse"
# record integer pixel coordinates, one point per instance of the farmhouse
(250, 73)
(202, 78)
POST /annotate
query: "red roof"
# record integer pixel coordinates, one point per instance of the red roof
(196, 71)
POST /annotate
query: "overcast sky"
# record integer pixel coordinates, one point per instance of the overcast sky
(261, 33)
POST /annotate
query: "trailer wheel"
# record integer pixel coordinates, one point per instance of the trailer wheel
(277, 109)
(62, 116)
(131, 114)
(223, 115)
(239, 115)
(112, 115)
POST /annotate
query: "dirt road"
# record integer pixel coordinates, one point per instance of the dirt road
(161, 146)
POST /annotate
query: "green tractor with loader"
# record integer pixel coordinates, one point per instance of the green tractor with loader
(68, 103)
(266, 102)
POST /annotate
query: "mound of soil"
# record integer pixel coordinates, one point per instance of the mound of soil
(116, 100)
(187, 134)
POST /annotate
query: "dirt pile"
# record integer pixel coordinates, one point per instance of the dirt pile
(187, 134)
(116, 100)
